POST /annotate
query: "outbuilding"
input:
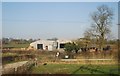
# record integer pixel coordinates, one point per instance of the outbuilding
(49, 44)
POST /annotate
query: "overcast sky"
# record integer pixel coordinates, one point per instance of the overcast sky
(51, 19)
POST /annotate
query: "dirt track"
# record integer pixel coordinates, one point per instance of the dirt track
(9, 68)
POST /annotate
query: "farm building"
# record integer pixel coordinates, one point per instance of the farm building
(49, 44)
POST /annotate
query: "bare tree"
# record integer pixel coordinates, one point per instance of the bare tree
(102, 20)
(89, 34)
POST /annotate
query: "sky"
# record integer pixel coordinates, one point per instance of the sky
(66, 20)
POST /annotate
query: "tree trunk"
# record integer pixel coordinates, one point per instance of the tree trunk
(101, 42)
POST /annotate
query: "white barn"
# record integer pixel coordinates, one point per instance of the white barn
(49, 44)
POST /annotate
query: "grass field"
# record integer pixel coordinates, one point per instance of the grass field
(16, 45)
(57, 66)
(75, 69)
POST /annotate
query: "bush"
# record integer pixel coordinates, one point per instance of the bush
(69, 47)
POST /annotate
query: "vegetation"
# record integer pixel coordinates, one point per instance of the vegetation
(15, 56)
(9, 54)
(75, 69)
(102, 19)
(12, 45)
(69, 47)
(9, 43)
(97, 35)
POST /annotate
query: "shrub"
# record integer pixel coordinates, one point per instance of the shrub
(69, 47)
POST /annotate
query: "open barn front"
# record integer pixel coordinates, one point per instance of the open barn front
(40, 46)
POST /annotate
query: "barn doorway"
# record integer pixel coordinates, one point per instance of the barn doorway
(46, 47)
(40, 46)
(62, 45)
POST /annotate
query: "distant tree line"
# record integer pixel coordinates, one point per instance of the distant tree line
(16, 41)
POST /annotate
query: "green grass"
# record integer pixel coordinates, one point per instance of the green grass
(15, 45)
(9, 54)
(73, 69)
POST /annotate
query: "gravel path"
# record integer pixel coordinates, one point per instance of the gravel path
(10, 67)
(86, 59)
(14, 65)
